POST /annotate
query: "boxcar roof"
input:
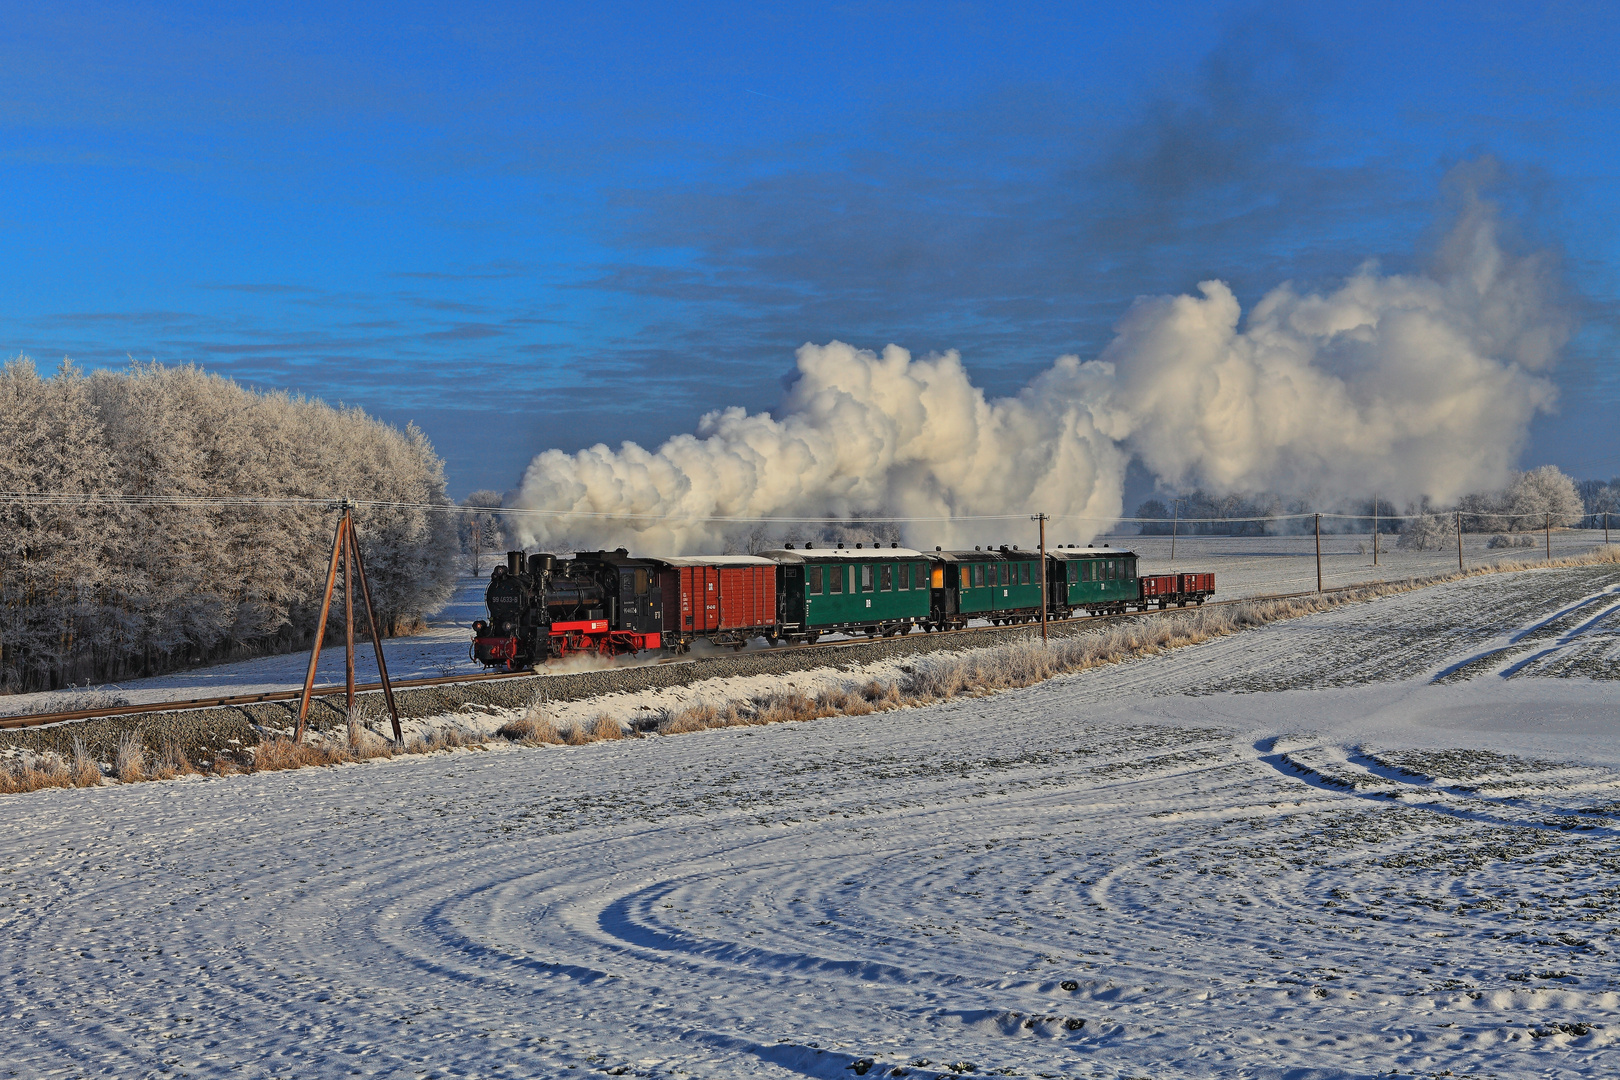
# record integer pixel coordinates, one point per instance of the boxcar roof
(872, 554)
(710, 560)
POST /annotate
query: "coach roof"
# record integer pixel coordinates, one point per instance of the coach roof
(872, 554)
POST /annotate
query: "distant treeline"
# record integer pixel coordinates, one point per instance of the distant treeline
(101, 590)
(1527, 502)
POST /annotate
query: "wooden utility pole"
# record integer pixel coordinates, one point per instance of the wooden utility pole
(1375, 529)
(348, 638)
(1175, 525)
(346, 547)
(1459, 540)
(1045, 598)
(1549, 538)
(1318, 552)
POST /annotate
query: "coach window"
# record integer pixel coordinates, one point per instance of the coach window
(835, 575)
(978, 575)
(866, 577)
(886, 583)
(1005, 567)
(905, 576)
(813, 580)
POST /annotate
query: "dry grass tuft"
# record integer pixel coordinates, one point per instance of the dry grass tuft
(698, 717)
(371, 746)
(786, 708)
(130, 764)
(86, 769)
(533, 728)
(274, 755)
(605, 729)
(33, 772)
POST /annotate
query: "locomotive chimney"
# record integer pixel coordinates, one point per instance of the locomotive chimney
(514, 562)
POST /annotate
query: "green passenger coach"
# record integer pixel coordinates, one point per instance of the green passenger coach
(1091, 579)
(855, 590)
(1001, 585)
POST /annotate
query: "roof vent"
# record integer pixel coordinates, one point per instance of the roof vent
(840, 543)
(976, 547)
(894, 543)
(808, 544)
(1015, 547)
(788, 546)
(857, 543)
(1091, 545)
(936, 547)
(1003, 547)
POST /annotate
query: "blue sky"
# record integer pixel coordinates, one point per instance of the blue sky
(531, 226)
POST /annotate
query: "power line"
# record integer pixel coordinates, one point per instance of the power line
(90, 499)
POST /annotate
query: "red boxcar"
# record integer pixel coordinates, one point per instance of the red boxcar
(1197, 587)
(725, 598)
(1160, 587)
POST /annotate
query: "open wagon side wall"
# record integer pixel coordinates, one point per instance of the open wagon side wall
(726, 603)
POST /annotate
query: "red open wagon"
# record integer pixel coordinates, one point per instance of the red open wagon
(724, 598)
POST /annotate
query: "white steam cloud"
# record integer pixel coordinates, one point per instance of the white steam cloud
(1403, 385)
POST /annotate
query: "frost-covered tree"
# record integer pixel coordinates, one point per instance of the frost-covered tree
(481, 531)
(1426, 532)
(107, 588)
(1159, 523)
(1530, 501)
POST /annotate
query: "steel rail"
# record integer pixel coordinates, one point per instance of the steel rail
(41, 719)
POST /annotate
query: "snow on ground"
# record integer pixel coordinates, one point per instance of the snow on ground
(1385, 837)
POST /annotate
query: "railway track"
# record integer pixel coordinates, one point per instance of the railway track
(42, 719)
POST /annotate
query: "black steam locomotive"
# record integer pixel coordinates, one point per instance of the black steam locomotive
(539, 609)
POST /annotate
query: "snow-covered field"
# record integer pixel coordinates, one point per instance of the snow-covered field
(1385, 837)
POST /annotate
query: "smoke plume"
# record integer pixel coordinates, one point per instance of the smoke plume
(1407, 385)
(859, 434)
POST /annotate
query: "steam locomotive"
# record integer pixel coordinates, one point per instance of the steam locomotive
(604, 602)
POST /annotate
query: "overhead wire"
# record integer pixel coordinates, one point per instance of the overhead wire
(315, 502)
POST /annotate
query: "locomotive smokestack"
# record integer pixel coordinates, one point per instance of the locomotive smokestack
(514, 562)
